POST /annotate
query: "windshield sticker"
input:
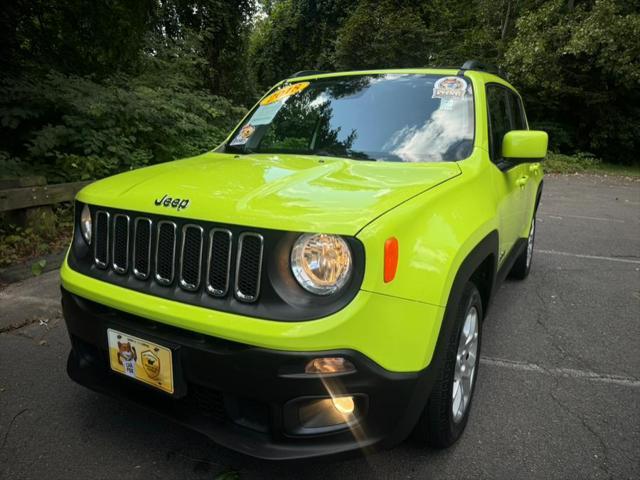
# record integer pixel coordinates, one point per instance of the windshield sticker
(446, 104)
(244, 135)
(284, 92)
(450, 88)
(265, 113)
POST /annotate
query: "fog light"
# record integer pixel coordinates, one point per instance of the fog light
(327, 412)
(344, 405)
(329, 365)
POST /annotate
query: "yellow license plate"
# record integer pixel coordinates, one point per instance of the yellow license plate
(140, 359)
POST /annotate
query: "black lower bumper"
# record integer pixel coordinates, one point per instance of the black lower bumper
(241, 396)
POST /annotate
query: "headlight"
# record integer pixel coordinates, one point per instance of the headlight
(322, 264)
(85, 224)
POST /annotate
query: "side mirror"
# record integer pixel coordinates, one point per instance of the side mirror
(522, 146)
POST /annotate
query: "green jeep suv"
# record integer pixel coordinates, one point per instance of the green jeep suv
(317, 283)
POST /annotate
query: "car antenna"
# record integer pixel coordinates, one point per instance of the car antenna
(480, 66)
(306, 73)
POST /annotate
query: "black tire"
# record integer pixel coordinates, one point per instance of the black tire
(436, 426)
(522, 265)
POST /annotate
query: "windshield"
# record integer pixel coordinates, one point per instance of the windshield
(392, 117)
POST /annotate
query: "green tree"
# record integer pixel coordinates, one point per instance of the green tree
(220, 29)
(579, 69)
(297, 35)
(71, 119)
(74, 36)
(380, 35)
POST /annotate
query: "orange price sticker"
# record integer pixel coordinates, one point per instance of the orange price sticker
(284, 92)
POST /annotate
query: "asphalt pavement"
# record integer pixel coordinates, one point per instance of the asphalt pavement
(558, 393)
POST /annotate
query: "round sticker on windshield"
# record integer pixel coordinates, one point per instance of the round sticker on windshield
(449, 87)
(244, 135)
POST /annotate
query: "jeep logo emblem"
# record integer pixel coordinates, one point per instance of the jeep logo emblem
(170, 202)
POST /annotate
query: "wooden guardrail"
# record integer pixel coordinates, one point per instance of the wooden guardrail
(30, 192)
(26, 202)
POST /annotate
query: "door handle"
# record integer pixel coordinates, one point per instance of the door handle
(522, 181)
(534, 168)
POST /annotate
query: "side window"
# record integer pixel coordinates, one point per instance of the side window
(499, 120)
(518, 121)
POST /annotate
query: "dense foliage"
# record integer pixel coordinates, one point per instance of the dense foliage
(92, 88)
(80, 129)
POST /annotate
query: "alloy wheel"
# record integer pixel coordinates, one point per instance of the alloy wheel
(530, 240)
(466, 363)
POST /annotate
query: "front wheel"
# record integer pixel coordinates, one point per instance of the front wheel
(522, 266)
(447, 411)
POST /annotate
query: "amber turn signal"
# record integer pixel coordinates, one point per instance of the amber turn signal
(390, 259)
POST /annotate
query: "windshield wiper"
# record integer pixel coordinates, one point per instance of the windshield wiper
(234, 149)
(324, 153)
(350, 154)
(359, 155)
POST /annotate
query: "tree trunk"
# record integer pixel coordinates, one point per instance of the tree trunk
(506, 21)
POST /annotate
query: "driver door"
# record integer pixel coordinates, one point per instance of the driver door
(509, 182)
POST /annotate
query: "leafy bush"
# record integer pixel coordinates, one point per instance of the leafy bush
(580, 162)
(74, 128)
(560, 135)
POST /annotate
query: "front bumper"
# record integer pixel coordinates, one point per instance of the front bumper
(239, 394)
(398, 334)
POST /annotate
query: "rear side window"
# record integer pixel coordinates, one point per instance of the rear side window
(505, 114)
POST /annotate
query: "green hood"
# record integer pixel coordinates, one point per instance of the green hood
(285, 192)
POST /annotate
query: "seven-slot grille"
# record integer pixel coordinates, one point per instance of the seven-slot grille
(192, 256)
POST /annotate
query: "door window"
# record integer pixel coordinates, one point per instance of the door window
(518, 121)
(499, 120)
(505, 114)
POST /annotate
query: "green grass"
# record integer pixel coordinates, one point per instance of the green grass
(586, 163)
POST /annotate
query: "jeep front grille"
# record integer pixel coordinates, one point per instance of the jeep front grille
(120, 250)
(101, 242)
(248, 267)
(219, 262)
(142, 248)
(189, 256)
(165, 252)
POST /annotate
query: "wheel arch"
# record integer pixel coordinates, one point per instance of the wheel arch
(481, 261)
(484, 279)
(479, 264)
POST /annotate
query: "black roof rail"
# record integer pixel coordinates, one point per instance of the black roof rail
(305, 73)
(480, 66)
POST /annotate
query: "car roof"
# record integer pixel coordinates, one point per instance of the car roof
(485, 77)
